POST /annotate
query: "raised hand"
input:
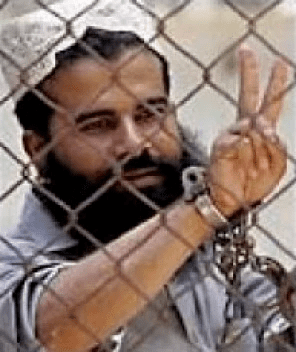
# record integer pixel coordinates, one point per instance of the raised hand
(248, 160)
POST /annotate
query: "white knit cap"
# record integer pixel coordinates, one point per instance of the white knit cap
(29, 43)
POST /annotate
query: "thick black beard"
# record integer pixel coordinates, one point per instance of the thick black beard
(117, 210)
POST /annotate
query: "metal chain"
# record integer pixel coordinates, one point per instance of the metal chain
(234, 247)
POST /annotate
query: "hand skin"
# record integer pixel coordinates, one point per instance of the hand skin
(247, 162)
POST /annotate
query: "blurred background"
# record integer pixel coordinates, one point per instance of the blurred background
(205, 29)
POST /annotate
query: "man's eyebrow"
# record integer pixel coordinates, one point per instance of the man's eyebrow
(154, 101)
(92, 114)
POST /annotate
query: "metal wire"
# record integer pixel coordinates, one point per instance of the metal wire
(233, 249)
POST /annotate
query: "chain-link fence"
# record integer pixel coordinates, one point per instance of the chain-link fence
(234, 293)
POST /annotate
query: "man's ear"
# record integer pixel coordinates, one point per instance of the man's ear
(34, 145)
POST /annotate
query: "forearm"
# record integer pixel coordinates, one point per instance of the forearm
(103, 291)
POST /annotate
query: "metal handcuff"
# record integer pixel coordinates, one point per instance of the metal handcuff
(196, 192)
(232, 244)
(233, 248)
(232, 251)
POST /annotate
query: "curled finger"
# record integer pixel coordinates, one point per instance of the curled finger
(226, 146)
(278, 155)
(261, 157)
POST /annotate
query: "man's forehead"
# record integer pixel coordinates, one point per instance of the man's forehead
(140, 65)
(134, 73)
(133, 59)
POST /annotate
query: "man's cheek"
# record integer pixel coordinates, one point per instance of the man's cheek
(83, 161)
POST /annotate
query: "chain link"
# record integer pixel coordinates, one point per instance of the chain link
(234, 250)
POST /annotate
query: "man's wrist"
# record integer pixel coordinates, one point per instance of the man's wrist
(196, 192)
(205, 207)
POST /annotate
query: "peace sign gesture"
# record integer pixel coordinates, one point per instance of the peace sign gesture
(248, 160)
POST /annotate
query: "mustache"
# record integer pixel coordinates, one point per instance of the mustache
(145, 160)
(56, 172)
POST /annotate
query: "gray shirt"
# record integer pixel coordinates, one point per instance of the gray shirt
(189, 315)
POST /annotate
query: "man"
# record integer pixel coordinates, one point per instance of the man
(110, 156)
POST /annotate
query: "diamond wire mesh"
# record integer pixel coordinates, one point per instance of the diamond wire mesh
(228, 244)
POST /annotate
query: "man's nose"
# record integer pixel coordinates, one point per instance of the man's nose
(129, 140)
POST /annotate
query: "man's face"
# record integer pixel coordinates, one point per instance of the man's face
(109, 120)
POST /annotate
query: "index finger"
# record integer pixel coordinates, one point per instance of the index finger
(274, 97)
(250, 87)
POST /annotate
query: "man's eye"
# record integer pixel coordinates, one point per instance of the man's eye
(146, 115)
(100, 124)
